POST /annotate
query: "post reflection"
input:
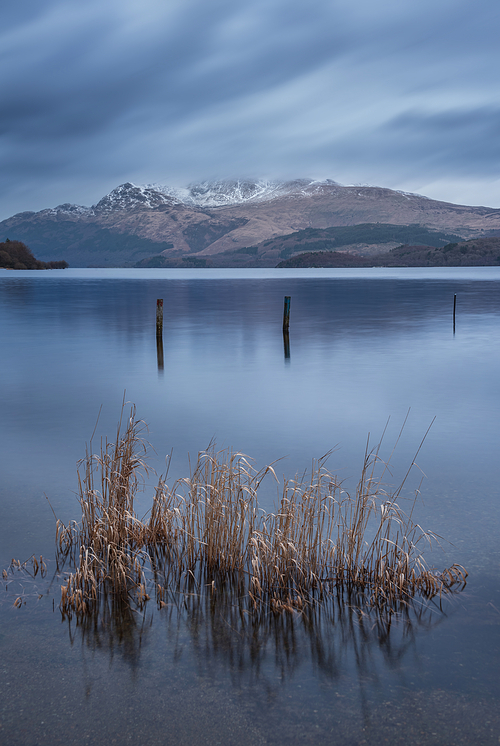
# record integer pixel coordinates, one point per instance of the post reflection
(286, 344)
(159, 351)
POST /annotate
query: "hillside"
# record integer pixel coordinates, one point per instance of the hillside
(482, 252)
(367, 239)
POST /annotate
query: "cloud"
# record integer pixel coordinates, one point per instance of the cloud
(101, 92)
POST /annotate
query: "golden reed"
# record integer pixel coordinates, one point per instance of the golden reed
(207, 534)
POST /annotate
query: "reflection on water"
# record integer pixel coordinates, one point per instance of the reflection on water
(117, 629)
(330, 638)
(286, 344)
(159, 351)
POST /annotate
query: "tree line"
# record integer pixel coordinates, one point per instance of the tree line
(16, 255)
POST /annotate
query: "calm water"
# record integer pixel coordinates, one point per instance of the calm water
(365, 345)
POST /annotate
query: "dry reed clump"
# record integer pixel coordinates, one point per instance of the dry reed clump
(31, 567)
(207, 534)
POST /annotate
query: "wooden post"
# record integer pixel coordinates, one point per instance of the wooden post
(159, 333)
(159, 317)
(286, 313)
(454, 310)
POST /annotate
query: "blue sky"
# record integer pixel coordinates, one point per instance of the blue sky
(394, 93)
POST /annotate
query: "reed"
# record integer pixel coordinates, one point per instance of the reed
(206, 534)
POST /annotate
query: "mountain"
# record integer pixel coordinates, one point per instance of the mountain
(227, 223)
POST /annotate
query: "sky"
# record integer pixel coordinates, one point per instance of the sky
(393, 93)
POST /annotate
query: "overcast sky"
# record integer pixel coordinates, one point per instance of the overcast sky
(394, 93)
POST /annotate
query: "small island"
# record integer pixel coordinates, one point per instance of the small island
(16, 255)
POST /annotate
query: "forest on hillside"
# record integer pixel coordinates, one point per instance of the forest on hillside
(16, 255)
(477, 252)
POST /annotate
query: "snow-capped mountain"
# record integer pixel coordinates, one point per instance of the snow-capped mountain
(223, 193)
(129, 196)
(234, 192)
(226, 218)
(206, 194)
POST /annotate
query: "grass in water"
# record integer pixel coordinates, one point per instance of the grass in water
(207, 535)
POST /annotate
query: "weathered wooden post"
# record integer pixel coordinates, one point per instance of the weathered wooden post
(159, 332)
(159, 317)
(454, 310)
(286, 314)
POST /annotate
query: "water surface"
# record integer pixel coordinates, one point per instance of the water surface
(365, 346)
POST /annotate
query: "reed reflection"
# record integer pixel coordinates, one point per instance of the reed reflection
(329, 638)
(115, 629)
(271, 648)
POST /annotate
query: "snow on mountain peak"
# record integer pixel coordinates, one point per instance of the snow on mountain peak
(205, 194)
(237, 191)
(127, 196)
(66, 209)
(218, 193)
